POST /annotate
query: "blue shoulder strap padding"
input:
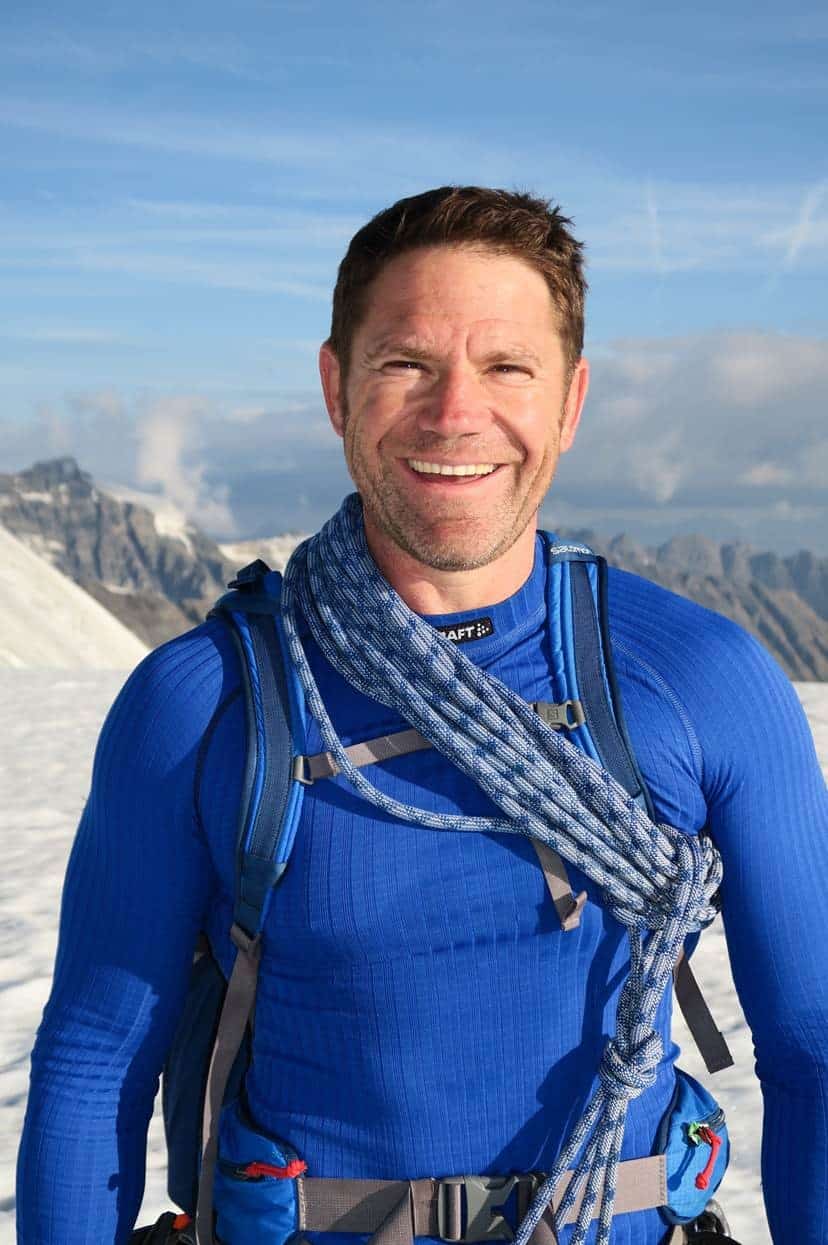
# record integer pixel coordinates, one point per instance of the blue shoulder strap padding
(576, 585)
(275, 713)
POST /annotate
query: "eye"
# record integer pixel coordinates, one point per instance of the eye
(509, 369)
(406, 364)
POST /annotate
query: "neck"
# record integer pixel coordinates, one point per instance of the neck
(427, 590)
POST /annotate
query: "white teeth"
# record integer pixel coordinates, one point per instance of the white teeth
(443, 469)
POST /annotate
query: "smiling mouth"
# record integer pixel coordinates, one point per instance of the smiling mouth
(452, 470)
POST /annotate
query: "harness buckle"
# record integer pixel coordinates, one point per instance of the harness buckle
(466, 1206)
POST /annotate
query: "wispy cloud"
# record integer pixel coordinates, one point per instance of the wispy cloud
(169, 456)
(63, 335)
(804, 229)
(93, 51)
(173, 132)
(655, 228)
(806, 232)
(390, 149)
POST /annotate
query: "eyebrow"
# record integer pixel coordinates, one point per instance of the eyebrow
(423, 353)
(398, 345)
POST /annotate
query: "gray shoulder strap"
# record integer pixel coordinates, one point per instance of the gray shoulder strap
(235, 1014)
(400, 743)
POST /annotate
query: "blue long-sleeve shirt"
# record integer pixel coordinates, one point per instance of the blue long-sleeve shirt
(420, 1011)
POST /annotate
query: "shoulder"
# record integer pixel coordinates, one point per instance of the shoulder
(654, 619)
(725, 692)
(168, 701)
(700, 654)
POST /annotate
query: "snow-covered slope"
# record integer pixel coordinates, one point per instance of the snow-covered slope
(274, 550)
(47, 620)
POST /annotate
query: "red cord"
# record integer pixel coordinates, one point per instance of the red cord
(293, 1169)
(714, 1141)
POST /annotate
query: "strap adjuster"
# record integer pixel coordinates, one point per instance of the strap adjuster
(300, 771)
(569, 714)
(466, 1206)
(249, 576)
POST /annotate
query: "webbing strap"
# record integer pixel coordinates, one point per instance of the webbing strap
(710, 1040)
(235, 1014)
(568, 715)
(396, 1211)
(567, 905)
(400, 743)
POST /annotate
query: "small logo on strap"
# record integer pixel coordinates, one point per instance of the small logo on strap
(472, 629)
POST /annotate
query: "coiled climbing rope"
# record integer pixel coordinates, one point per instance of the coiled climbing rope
(658, 883)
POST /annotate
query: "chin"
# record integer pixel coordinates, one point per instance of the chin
(456, 553)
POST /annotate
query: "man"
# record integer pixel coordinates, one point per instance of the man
(420, 1011)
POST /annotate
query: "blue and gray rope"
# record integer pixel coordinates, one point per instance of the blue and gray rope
(653, 878)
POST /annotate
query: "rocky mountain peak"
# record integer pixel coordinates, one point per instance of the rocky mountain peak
(51, 473)
(157, 578)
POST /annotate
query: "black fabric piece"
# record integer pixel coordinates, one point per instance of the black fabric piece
(161, 1232)
(711, 1238)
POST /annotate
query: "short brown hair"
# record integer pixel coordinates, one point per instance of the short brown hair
(505, 221)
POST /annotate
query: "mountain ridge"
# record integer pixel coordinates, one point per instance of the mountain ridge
(155, 582)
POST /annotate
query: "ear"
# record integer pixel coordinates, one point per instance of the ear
(574, 404)
(330, 374)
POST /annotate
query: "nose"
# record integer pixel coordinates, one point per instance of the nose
(456, 403)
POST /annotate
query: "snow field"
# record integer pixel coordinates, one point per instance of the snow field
(49, 721)
(46, 620)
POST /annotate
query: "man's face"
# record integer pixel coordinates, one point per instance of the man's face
(457, 364)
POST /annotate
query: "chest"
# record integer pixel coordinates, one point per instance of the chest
(365, 887)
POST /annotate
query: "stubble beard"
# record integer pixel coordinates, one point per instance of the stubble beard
(388, 511)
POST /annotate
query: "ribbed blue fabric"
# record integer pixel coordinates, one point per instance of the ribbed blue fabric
(658, 882)
(420, 1011)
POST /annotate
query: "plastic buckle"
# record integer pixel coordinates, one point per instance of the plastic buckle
(465, 1206)
(300, 771)
(569, 714)
(246, 579)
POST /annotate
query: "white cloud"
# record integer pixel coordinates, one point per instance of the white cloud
(711, 422)
(724, 434)
(766, 473)
(168, 456)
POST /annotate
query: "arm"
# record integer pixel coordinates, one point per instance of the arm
(768, 814)
(136, 887)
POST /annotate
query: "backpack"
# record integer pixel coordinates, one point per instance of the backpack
(211, 1048)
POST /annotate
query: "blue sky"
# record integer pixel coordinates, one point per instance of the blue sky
(178, 184)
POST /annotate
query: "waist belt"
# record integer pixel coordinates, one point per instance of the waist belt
(458, 1208)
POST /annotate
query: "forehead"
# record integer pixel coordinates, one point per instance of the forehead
(438, 291)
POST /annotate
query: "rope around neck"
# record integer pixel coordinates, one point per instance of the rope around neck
(653, 877)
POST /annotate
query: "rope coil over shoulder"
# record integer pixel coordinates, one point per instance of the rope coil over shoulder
(657, 882)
